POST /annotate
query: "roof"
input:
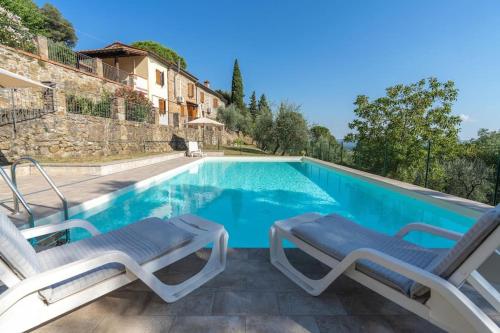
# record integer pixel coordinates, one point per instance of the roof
(210, 90)
(119, 49)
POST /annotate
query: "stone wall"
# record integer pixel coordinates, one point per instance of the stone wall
(69, 135)
(66, 78)
(60, 134)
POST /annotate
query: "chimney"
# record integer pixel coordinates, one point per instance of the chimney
(207, 83)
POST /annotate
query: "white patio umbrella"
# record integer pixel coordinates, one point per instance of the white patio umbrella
(204, 121)
(15, 81)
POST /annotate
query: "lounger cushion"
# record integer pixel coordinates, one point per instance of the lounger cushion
(445, 266)
(142, 241)
(338, 236)
(16, 251)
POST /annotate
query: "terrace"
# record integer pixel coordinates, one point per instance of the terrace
(249, 296)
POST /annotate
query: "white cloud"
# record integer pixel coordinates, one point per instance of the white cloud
(466, 118)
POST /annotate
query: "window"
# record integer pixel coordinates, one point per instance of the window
(190, 90)
(215, 103)
(162, 106)
(202, 97)
(160, 78)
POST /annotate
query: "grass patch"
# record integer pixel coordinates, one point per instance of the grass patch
(242, 151)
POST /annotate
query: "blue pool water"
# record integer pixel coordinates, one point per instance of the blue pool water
(247, 197)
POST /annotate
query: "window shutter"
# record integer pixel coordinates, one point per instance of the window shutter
(162, 106)
(215, 103)
(158, 77)
(202, 97)
(191, 90)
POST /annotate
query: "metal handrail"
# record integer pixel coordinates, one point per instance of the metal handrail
(47, 178)
(18, 197)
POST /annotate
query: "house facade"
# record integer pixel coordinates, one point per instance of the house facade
(183, 101)
(175, 93)
(208, 100)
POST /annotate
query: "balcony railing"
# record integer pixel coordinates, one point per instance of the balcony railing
(115, 74)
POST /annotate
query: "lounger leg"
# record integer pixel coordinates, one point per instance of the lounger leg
(215, 265)
(280, 261)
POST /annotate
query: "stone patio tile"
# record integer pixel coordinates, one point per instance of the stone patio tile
(304, 304)
(355, 324)
(279, 324)
(74, 322)
(134, 324)
(245, 303)
(270, 280)
(198, 303)
(208, 324)
(367, 302)
(412, 324)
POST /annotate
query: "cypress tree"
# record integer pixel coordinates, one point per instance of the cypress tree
(253, 108)
(237, 87)
(263, 105)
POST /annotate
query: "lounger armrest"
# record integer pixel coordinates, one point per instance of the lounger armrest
(51, 228)
(435, 283)
(423, 227)
(43, 280)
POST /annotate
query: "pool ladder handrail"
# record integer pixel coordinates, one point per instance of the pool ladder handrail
(47, 178)
(18, 197)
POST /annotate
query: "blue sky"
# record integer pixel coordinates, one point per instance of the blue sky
(319, 54)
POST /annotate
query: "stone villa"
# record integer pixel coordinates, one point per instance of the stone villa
(176, 93)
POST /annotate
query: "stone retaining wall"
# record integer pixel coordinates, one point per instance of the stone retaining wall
(64, 135)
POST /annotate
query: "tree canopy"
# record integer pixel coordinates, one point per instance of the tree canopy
(237, 94)
(57, 27)
(290, 129)
(47, 21)
(252, 107)
(401, 124)
(162, 51)
(263, 105)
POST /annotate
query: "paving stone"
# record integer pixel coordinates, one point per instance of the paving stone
(208, 324)
(73, 322)
(412, 324)
(271, 280)
(245, 303)
(354, 324)
(368, 302)
(279, 324)
(305, 304)
(133, 324)
(198, 303)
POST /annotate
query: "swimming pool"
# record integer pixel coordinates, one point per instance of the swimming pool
(248, 196)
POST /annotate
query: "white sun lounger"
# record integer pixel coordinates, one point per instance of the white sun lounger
(194, 149)
(424, 281)
(44, 285)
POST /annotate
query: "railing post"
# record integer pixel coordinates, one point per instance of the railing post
(118, 108)
(497, 184)
(99, 69)
(427, 163)
(341, 151)
(60, 106)
(43, 47)
(384, 172)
